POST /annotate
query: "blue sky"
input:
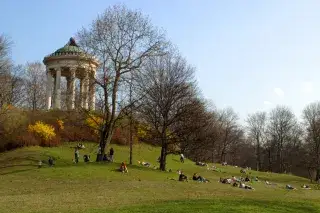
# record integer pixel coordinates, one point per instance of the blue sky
(251, 55)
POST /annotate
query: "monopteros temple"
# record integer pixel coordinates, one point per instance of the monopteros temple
(72, 63)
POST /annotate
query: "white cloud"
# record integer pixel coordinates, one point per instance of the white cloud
(307, 87)
(267, 103)
(279, 92)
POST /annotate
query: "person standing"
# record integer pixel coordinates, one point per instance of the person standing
(111, 153)
(181, 158)
(76, 155)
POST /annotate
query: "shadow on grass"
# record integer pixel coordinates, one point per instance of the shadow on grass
(16, 171)
(204, 206)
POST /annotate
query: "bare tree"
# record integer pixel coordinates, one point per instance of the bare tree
(194, 130)
(35, 77)
(167, 84)
(121, 39)
(228, 131)
(281, 123)
(311, 117)
(5, 65)
(256, 127)
(5, 60)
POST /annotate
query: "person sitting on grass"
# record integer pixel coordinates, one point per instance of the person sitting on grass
(197, 177)
(80, 146)
(86, 158)
(243, 171)
(123, 168)
(40, 164)
(50, 161)
(182, 177)
(247, 179)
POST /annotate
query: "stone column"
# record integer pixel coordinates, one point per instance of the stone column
(57, 89)
(85, 91)
(81, 92)
(53, 91)
(92, 90)
(49, 89)
(71, 93)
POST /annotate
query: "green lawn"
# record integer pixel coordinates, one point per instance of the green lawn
(98, 187)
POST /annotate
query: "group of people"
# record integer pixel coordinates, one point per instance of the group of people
(50, 162)
(105, 157)
(86, 158)
(237, 182)
(304, 186)
(195, 177)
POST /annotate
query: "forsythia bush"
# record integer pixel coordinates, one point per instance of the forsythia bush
(44, 131)
(60, 124)
(142, 131)
(94, 122)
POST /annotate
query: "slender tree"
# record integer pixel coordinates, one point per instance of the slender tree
(121, 39)
(35, 88)
(281, 123)
(256, 125)
(311, 117)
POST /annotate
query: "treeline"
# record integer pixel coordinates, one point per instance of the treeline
(144, 79)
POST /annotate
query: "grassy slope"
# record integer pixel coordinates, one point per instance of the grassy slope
(99, 188)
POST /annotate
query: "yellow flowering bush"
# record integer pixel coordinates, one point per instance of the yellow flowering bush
(95, 123)
(60, 124)
(142, 131)
(44, 131)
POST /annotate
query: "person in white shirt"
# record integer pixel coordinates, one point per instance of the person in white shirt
(182, 158)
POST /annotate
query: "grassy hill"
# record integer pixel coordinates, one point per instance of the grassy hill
(98, 187)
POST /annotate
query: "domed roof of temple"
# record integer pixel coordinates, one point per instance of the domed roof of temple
(70, 51)
(71, 48)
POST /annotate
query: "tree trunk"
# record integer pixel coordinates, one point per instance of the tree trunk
(270, 160)
(163, 158)
(164, 147)
(258, 156)
(105, 139)
(131, 121)
(131, 141)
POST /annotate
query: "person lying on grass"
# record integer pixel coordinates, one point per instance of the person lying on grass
(182, 177)
(244, 186)
(225, 180)
(234, 179)
(290, 187)
(199, 178)
(304, 186)
(268, 183)
(123, 168)
(201, 163)
(147, 164)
